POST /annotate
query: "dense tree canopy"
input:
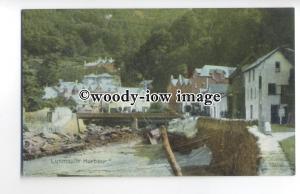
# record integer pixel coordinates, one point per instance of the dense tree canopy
(149, 44)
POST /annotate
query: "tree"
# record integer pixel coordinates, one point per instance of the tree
(47, 71)
(32, 92)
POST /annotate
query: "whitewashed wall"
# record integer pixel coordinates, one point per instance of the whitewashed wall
(267, 70)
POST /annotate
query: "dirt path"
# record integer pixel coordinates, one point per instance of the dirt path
(274, 162)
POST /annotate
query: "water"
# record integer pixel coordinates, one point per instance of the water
(122, 159)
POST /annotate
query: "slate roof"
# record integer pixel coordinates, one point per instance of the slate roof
(265, 57)
(259, 60)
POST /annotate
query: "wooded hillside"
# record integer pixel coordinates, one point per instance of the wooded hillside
(146, 44)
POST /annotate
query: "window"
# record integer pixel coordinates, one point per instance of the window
(249, 76)
(272, 89)
(253, 74)
(277, 66)
(259, 82)
(251, 94)
(248, 94)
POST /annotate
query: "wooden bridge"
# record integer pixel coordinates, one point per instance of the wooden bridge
(134, 118)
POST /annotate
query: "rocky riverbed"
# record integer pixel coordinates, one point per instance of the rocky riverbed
(39, 144)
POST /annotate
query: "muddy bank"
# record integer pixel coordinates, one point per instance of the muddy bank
(234, 149)
(37, 145)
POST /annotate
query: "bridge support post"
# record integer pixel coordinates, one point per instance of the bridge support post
(134, 124)
(78, 127)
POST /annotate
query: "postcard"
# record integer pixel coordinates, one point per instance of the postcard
(158, 92)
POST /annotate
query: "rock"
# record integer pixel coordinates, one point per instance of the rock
(52, 136)
(126, 129)
(114, 135)
(42, 135)
(31, 148)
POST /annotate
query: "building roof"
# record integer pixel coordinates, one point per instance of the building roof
(218, 88)
(131, 89)
(50, 92)
(265, 57)
(104, 75)
(66, 85)
(207, 69)
(181, 80)
(259, 60)
(90, 76)
(146, 82)
(173, 81)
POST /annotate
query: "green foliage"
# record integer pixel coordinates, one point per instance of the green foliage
(59, 101)
(213, 36)
(288, 147)
(47, 71)
(32, 93)
(159, 108)
(146, 44)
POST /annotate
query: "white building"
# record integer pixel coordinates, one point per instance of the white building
(104, 82)
(139, 106)
(219, 109)
(264, 82)
(209, 78)
(50, 92)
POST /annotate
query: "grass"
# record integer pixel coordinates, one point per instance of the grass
(288, 147)
(282, 128)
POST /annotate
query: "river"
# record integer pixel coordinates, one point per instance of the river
(115, 159)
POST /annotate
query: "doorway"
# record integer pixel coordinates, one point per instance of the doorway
(274, 113)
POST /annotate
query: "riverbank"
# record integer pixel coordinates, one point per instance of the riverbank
(234, 149)
(36, 145)
(218, 147)
(133, 158)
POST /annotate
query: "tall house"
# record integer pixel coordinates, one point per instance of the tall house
(266, 81)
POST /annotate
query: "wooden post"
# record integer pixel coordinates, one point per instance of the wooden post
(78, 127)
(135, 123)
(170, 155)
